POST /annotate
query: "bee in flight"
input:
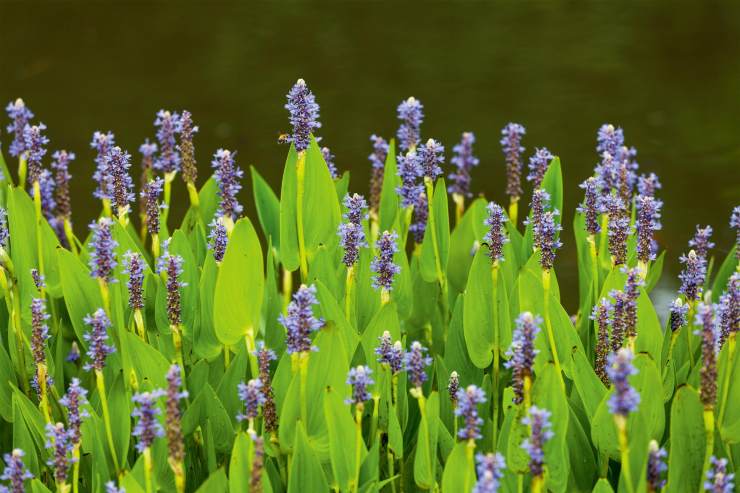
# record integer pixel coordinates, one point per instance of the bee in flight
(283, 138)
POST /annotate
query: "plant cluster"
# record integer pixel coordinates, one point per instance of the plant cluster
(355, 344)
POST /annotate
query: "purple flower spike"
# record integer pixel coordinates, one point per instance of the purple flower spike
(300, 321)
(678, 314)
(464, 161)
(735, 224)
(467, 408)
(97, 337)
(356, 207)
(539, 424)
(186, 148)
(618, 320)
(692, 275)
(168, 125)
(389, 353)
(496, 237)
(269, 411)
(251, 395)
(625, 398)
(60, 165)
(173, 415)
(171, 265)
(377, 159)
(419, 218)
(409, 171)
(38, 280)
(416, 362)
(150, 194)
(72, 401)
(540, 202)
(351, 233)
(548, 231)
(219, 239)
(304, 115)
(20, 114)
(103, 143)
(359, 379)
(619, 229)
(701, 241)
(227, 175)
(102, 257)
(453, 386)
(728, 311)
(718, 479)
(522, 352)
(631, 293)
(648, 184)
(601, 313)
(133, 264)
(590, 207)
(74, 353)
(656, 466)
(118, 164)
(705, 318)
(110, 487)
(147, 428)
(648, 221)
(411, 114)
(431, 156)
(59, 442)
(329, 160)
(35, 142)
(46, 191)
(15, 472)
(382, 265)
(4, 232)
(39, 330)
(609, 139)
(511, 145)
(490, 469)
(538, 165)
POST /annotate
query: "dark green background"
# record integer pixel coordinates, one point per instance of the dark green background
(669, 73)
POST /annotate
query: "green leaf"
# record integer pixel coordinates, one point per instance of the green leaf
(342, 439)
(549, 394)
(602, 486)
(240, 284)
(589, 386)
(120, 416)
(459, 469)
(425, 460)
(81, 292)
(216, 483)
(288, 232)
(205, 342)
(389, 203)
(485, 333)
(208, 408)
(239, 465)
(649, 333)
(723, 274)
(6, 392)
(143, 361)
(462, 244)
(22, 438)
(321, 211)
(306, 466)
(686, 459)
(428, 260)
(268, 208)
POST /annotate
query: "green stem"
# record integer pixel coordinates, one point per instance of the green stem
(168, 179)
(12, 297)
(374, 422)
(193, 194)
(709, 430)
(100, 381)
(177, 343)
(548, 325)
(22, 169)
(39, 219)
(514, 211)
(358, 445)
(251, 345)
(300, 191)
(470, 467)
(435, 247)
(459, 201)
(594, 267)
(76, 468)
(496, 355)
(391, 470)
(148, 470)
(349, 283)
(731, 341)
(301, 360)
(70, 236)
(624, 451)
(287, 286)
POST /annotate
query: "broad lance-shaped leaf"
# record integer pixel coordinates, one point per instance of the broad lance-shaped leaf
(268, 208)
(342, 439)
(686, 458)
(548, 394)
(462, 246)
(388, 196)
(425, 461)
(81, 292)
(552, 182)
(321, 210)
(306, 466)
(239, 466)
(484, 331)
(239, 287)
(459, 470)
(428, 259)
(288, 232)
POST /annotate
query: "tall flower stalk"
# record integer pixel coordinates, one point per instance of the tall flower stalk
(538, 421)
(706, 321)
(352, 239)
(187, 154)
(102, 260)
(382, 265)
(511, 145)
(133, 264)
(304, 116)
(359, 379)
(62, 177)
(175, 444)
(103, 143)
(39, 337)
(169, 267)
(35, 150)
(147, 429)
(464, 161)
(73, 401)
(20, 116)
(623, 401)
(168, 161)
(150, 195)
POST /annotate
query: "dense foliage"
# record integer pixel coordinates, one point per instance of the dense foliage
(380, 344)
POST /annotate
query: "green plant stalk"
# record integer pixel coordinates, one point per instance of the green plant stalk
(300, 192)
(385, 296)
(193, 194)
(496, 355)
(177, 343)
(348, 289)
(76, 468)
(39, 219)
(391, 469)
(41, 374)
(624, 451)
(459, 201)
(731, 342)
(105, 295)
(155, 246)
(100, 382)
(251, 346)
(688, 331)
(537, 484)
(514, 210)
(287, 286)
(548, 325)
(594, 267)
(374, 421)
(12, 297)
(442, 279)
(107, 212)
(69, 233)
(148, 470)
(139, 323)
(300, 364)
(359, 408)
(469, 456)
(419, 395)
(168, 179)
(604, 228)
(709, 431)
(22, 169)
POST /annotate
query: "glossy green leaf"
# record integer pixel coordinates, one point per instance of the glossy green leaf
(305, 465)
(686, 456)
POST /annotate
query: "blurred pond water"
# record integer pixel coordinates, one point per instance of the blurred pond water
(667, 73)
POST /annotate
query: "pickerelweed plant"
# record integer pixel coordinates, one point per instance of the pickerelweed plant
(350, 344)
